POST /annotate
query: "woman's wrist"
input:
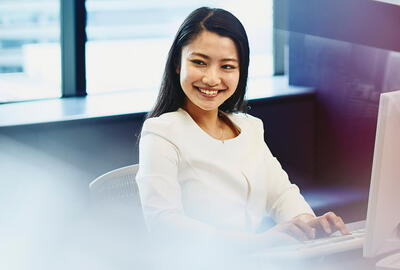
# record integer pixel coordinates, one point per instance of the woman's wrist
(305, 217)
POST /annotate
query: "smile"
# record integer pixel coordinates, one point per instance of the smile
(208, 92)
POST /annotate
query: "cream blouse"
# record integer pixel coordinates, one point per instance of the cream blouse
(189, 180)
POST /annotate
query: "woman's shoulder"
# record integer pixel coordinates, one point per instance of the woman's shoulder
(247, 120)
(164, 123)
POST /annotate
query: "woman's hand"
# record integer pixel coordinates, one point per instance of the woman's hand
(326, 224)
(295, 230)
(286, 233)
(305, 227)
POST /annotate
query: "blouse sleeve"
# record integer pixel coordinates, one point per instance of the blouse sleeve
(284, 200)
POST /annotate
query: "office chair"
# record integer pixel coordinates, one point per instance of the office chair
(115, 195)
(117, 186)
(116, 225)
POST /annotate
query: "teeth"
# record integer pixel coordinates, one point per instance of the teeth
(208, 92)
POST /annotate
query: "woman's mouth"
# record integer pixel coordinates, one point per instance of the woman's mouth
(208, 92)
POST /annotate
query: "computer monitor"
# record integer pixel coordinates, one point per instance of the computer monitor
(383, 215)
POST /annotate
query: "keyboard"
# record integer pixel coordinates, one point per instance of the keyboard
(332, 244)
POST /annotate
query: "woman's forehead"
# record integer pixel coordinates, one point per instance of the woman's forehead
(210, 44)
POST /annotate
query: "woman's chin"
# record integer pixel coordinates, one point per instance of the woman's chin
(207, 107)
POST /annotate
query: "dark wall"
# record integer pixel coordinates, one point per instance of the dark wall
(289, 130)
(345, 50)
(369, 23)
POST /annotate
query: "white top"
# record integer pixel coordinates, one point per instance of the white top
(190, 180)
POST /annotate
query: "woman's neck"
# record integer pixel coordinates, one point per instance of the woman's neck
(216, 125)
(205, 119)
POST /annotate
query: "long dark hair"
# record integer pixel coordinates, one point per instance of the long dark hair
(171, 96)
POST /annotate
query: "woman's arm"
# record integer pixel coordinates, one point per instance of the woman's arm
(284, 200)
(289, 208)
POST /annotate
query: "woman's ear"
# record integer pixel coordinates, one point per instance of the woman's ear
(178, 68)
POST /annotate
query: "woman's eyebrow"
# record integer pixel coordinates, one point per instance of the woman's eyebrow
(207, 57)
(201, 55)
(229, 59)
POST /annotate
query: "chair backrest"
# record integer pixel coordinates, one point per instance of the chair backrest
(117, 186)
(115, 201)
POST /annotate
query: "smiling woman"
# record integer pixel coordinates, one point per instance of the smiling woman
(206, 176)
(209, 71)
(210, 52)
(209, 75)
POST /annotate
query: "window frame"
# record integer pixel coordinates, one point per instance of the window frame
(279, 36)
(73, 41)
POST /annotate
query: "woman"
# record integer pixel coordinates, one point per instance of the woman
(205, 170)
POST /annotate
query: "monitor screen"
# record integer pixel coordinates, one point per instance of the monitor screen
(383, 215)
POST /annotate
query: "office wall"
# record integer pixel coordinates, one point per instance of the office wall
(349, 60)
(289, 131)
(368, 23)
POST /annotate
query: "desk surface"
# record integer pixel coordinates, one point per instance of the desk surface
(351, 260)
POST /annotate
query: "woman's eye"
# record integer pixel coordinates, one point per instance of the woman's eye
(228, 67)
(198, 62)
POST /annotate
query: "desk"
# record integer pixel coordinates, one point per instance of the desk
(352, 260)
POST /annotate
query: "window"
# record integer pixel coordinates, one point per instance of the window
(29, 50)
(127, 43)
(128, 40)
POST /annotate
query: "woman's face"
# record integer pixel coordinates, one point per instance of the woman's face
(209, 71)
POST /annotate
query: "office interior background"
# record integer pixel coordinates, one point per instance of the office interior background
(77, 77)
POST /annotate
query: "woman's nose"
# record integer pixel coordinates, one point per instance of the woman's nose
(211, 77)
